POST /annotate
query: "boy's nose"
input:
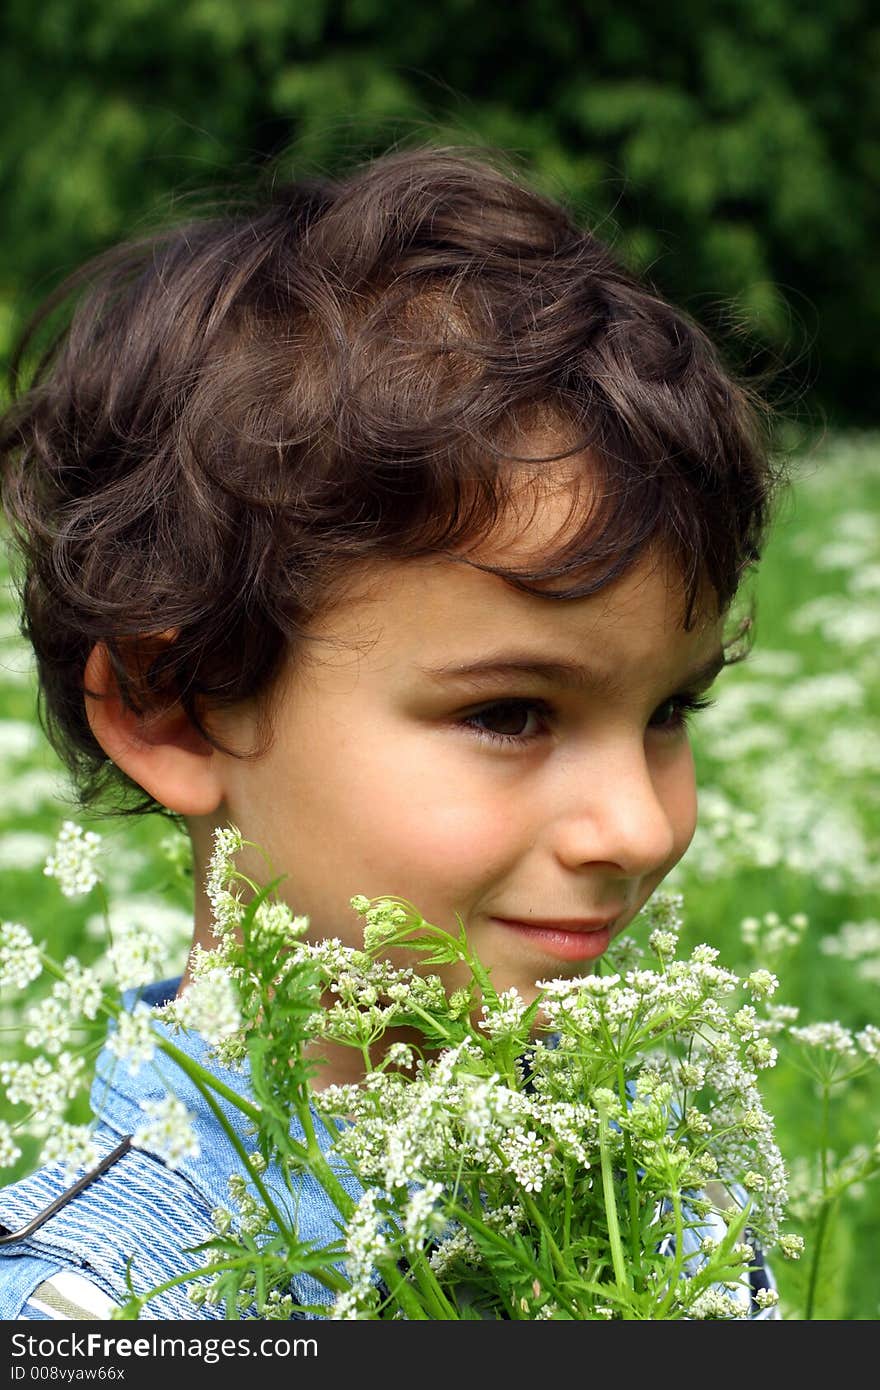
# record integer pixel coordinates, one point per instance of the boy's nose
(615, 815)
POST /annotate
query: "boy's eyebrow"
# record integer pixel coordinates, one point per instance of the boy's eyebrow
(567, 674)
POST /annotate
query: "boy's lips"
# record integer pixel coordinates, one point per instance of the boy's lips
(567, 938)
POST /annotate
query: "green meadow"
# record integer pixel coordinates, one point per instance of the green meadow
(788, 764)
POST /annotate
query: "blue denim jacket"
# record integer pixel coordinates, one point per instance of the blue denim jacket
(139, 1210)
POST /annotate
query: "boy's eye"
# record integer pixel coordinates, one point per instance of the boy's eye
(521, 721)
(509, 721)
(674, 714)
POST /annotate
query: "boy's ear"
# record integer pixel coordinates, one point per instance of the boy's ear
(162, 752)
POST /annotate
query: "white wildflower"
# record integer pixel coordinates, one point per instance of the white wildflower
(598, 984)
(168, 1131)
(754, 1181)
(365, 1243)
(761, 1054)
(854, 940)
(74, 860)
(503, 1018)
(80, 989)
(779, 1017)
(830, 1037)
(44, 1089)
(274, 925)
(762, 984)
(869, 1041)
(51, 1025)
(400, 1055)
(134, 1038)
(137, 957)
(692, 1075)
(528, 1158)
(221, 1219)
(227, 907)
(792, 1246)
(705, 955)
(663, 943)
(9, 1150)
(422, 1217)
(381, 921)
(770, 935)
(19, 957)
(745, 1021)
(713, 1303)
(697, 1122)
(766, 1298)
(485, 1109)
(347, 1308)
(209, 1007)
(458, 1249)
(73, 1146)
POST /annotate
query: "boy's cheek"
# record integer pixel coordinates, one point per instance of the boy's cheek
(456, 849)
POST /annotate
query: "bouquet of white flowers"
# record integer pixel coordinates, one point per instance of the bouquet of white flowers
(602, 1152)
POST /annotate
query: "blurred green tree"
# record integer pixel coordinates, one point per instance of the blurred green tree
(730, 151)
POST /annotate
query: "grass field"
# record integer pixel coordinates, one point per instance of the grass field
(789, 767)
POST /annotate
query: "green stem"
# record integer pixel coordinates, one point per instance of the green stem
(824, 1209)
(330, 1278)
(316, 1160)
(240, 1149)
(818, 1242)
(678, 1262)
(826, 1111)
(201, 1078)
(617, 1256)
(535, 1216)
(631, 1185)
(441, 1308)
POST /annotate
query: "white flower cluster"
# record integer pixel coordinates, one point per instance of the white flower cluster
(366, 1244)
(81, 989)
(9, 1151)
(826, 1037)
(51, 1026)
(19, 957)
(73, 861)
(770, 936)
(225, 905)
(45, 1089)
(75, 997)
(73, 1146)
(382, 919)
(422, 1218)
(209, 1006)
(134, 1038)
(858, 942)
(168, 1131)
(503, 1017)
(136, 957)
(835, 1040)
(275, 926)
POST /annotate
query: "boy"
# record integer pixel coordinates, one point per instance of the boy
(394, 523)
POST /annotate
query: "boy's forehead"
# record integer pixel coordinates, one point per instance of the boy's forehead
(438, 610)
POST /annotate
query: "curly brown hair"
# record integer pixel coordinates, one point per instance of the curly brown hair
(240, 407)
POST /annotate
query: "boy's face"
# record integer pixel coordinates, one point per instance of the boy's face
(383, 776)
